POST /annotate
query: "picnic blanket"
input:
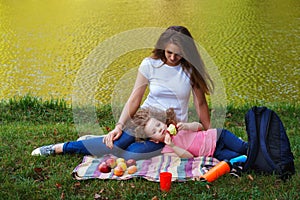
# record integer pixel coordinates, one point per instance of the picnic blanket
(182, 169)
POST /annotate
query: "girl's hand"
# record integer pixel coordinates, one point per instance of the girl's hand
(113, 135)
(168, 140)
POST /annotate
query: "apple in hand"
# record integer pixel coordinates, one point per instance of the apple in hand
(111, 162)
(172, 129)
(104, 168)
(130, 162)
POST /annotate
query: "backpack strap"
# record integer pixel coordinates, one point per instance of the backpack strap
(263, 133)
(252, 139)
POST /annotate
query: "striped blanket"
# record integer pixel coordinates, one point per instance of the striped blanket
(182, 169)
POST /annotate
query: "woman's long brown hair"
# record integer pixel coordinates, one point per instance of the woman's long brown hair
(191, 61)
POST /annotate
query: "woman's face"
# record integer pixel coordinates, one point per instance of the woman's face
(156, 130)
(173, 54)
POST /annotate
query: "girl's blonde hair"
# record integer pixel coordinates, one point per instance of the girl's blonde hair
(143, 115)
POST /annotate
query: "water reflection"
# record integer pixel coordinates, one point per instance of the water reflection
(254, 44)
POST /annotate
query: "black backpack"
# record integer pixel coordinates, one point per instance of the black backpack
(269, 148)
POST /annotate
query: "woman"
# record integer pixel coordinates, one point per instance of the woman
(174, 70)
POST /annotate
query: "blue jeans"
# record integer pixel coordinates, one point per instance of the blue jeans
(125, 147)
(229, 146)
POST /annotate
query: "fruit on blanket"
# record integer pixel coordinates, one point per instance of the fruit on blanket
(122, 165)
(118, 171)
(120, 160)
(130, 162)
(104, 168)
(172, 129)
(111, 162)
(132, 169)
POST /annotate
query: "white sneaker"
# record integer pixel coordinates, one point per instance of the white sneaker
(44, 151)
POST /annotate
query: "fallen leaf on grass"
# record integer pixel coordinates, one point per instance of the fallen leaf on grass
(39, 176)
(55, 132)
(38, 170)
(250, 177)
(62, 196)
(97, 196)
(77, 184)
(58, 185)
(229, 115)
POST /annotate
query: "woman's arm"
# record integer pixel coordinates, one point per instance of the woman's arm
(130, 108)
(135, 98)
(182, 153)
(201, 107)
(192, 126)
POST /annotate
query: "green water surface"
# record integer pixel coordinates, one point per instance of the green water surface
(254, 44)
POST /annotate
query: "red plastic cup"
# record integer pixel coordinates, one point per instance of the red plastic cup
(165, 179)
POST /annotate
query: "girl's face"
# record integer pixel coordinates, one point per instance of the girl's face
(156, 130)
(173, 54)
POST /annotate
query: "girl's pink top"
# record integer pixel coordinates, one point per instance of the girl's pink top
(200, 143)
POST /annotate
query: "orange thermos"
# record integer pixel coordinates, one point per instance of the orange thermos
(222, 168)
(218, 170)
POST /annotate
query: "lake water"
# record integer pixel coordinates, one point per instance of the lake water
(46, 46)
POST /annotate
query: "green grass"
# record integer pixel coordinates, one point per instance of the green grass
(29, 122)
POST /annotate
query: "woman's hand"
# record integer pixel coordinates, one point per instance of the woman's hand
(182, 126)
(193, 126)
(113, 135)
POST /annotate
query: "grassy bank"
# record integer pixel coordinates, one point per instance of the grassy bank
(28, 122)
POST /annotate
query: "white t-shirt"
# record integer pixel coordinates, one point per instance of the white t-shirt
(169, 86)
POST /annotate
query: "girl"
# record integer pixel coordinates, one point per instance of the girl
(191, 140)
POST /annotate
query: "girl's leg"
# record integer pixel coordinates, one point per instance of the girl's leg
(230, 146)
(226, 154)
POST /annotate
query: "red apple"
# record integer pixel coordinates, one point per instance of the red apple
(118, 171)
(111, 162)
(130, 162)
(104, 168)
